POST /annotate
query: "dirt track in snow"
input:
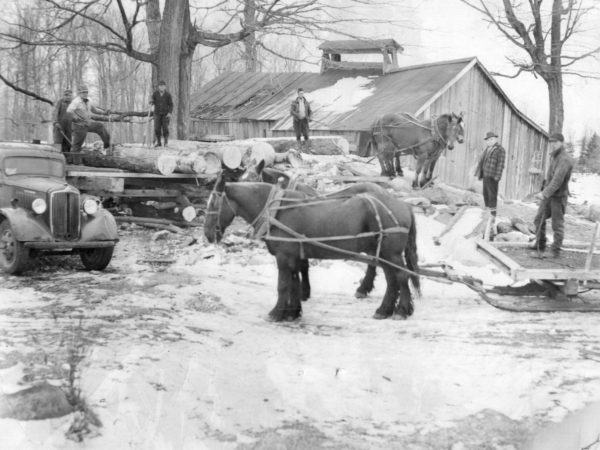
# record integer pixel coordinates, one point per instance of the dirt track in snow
(180, 356)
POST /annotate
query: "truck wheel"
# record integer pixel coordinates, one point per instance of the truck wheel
(13, 254)
(96, 258)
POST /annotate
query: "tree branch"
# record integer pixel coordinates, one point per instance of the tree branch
(25, 91)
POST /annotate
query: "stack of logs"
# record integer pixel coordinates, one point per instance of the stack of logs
(205, 158)
(171, 204)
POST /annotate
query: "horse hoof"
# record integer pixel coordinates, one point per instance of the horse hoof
(379, 316)
(359, 294)
(275, 317)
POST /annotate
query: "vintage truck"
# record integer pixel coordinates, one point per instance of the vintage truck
(41, 212)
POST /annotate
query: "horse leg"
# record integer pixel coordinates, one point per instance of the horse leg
(294, 310)
(284, 284)
(428, 172)
(381, 158)
(366, 284)
(415, 183)
(405, 306)
(305, 287)
(398, 165)
(386, 309)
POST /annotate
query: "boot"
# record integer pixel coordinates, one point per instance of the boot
(166, 141)
(157, 144)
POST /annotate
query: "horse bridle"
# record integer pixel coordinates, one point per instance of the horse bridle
(219, 196)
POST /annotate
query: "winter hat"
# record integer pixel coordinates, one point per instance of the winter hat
(82, 88)
(490, 134)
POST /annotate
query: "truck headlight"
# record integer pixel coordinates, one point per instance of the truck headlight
(39, 206)
(90, 206)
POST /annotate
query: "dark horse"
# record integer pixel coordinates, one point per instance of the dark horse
(348, 227)
(275, 176)
(394, 135)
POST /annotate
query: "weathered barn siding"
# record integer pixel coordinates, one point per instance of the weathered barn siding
(239, 129)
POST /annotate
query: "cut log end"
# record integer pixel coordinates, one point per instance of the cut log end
(188, 213)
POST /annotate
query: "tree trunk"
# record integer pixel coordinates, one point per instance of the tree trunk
(175, 54)
(153, 22)
(555, 95)
(250, 51)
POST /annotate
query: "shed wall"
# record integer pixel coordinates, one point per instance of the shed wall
(238, 129)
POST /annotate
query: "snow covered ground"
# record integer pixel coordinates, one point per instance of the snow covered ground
(585, 188)
(182, 356)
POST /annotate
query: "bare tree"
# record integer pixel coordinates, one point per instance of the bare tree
(179, 33)
(543, 33)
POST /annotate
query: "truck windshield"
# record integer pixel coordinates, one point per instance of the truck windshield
(27, 165)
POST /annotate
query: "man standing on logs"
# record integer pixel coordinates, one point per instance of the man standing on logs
(62, 121)
(81, 111)
(489, 169)
(163, 107)
(301, 113)
(555, 191)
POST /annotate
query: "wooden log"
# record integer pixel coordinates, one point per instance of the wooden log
(317, 145)
(135, 219)
(150, 161)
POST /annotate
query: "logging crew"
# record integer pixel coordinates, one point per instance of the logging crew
(62, 121)
(82, 114)
(163, 107)
(489, 169)
(301, 113)
(554, 194)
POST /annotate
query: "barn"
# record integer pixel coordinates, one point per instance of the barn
(347, 97)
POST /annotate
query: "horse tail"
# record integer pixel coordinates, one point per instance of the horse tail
(410, 254)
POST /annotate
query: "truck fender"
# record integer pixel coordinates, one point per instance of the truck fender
(99, 227)
(26, 225)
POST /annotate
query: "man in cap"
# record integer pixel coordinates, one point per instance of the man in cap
(82, 114)
(163, 107)
(555, 191)
(489, 169)
(62, 121)
(301, 113)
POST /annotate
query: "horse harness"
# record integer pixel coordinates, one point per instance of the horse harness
(403, 151)
(267, 219)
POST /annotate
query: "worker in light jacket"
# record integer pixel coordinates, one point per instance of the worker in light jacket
(554, 195)
(85, 118)
(301, 113)
(163, 108)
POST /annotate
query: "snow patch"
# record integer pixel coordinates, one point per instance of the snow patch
(343, 96)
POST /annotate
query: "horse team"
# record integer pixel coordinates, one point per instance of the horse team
(363, 222)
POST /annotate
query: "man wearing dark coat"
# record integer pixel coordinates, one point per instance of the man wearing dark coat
(62, 121)
(301, 113)
(554, 195)
(163, 107)
(489, 169)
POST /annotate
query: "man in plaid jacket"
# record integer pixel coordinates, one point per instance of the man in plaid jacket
(490, 168)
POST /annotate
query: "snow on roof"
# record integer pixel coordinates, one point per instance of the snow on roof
(343, 96)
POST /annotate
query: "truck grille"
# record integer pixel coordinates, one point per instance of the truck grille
(64, 215)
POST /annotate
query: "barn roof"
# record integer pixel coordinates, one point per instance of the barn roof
(359, 46)
(367, 94)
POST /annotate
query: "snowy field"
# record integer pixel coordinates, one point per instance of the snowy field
(181, 356)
